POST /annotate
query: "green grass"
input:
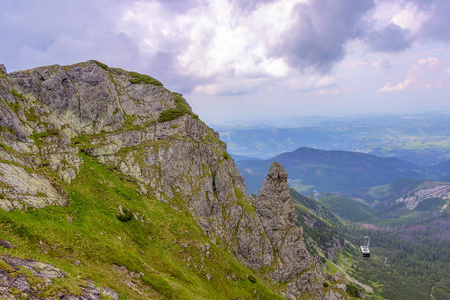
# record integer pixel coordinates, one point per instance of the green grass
(42, 135)
(14, 106)
(163, 244)
(141, 78)
(17, 94)
(331, 268)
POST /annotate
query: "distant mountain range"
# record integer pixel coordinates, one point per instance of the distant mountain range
(241, 157)
(334, 171)
(422, 139)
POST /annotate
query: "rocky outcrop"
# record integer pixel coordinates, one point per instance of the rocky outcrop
(293, 264)
(333, 248)
(30, 279)
(270, 240)
(53, 118)
(24, 188)
(411, 201)
(276, 212)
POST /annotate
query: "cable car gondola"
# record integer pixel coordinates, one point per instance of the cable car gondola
(365, 252)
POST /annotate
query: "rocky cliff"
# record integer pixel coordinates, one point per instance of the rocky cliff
(66, 129)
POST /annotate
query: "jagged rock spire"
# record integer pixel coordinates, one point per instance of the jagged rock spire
(274, 204)
(276, 212)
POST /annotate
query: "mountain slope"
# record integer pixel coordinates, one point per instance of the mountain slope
(112, 178)
(330, 170)
(441, 170)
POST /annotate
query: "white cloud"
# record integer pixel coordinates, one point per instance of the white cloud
(405, 14)
(426, 73)
(410, 17)
(219, 49)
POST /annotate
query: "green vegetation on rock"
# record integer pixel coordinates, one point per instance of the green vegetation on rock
(100, 64)
(141, 78)
(170, 114)
(180, 110)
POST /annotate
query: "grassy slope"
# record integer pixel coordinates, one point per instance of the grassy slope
(173, 264)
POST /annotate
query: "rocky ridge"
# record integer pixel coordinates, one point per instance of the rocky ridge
(52, 117)
(30, 279)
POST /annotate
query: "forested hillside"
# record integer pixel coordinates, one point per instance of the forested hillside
(332, 171)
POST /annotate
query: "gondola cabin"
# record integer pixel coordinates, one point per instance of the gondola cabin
(365, 251)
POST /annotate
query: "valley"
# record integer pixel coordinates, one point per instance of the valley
(402, 203)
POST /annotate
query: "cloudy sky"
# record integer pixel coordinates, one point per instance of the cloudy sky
(253, 59)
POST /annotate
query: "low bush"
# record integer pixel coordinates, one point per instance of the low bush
(352, 291)
(126, 216)
(141, 78)
(252, 278)
(170, 114)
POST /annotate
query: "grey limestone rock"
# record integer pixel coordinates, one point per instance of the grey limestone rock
(25, 188)
(43, 270)
(48, 272)
(270, 239)
(6, 244)
(277, 214)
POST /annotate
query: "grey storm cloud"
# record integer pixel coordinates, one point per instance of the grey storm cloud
(437, 26)
(321, 29)
(390, 38)
(179, 6)
(48, 31)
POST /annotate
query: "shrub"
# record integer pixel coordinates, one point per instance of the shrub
(352, 291)
(141, 78)
(180, 110)
(170, 114)
(180, 103)
(252, 278)
(126, 216)
(325, 284)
